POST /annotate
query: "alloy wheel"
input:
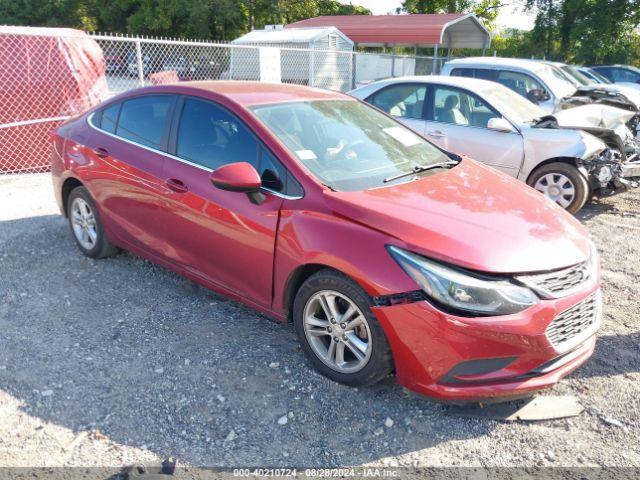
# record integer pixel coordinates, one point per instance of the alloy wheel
(83, 223)
(557, 187)
(337, 331)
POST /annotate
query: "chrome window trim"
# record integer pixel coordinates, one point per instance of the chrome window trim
(173, 157)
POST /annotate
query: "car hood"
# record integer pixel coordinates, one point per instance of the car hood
(471, 216)
(596, 115)
(611, 94)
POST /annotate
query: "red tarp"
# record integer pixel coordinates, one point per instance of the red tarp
(45, 73)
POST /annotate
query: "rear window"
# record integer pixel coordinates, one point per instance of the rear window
(482, 73)
(143, 120)
(110, 118)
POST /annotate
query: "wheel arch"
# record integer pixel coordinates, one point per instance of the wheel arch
(68, 185)
(568, 160)
(295, 280)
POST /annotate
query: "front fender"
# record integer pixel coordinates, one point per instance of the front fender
(542, 144)
(309, 237)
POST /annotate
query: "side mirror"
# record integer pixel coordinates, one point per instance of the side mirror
(499, 124)
(239, 177)
(538, 95)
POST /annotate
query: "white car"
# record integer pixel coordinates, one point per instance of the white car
(490, 123)
(543, 83)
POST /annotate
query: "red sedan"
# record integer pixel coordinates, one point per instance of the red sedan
(386, 252)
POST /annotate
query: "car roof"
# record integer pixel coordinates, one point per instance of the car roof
(245, 93)
(497, 62)
(462, 82)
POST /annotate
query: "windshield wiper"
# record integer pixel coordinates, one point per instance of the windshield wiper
(420, 169)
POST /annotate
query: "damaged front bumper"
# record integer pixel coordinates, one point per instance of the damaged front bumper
(611, 170)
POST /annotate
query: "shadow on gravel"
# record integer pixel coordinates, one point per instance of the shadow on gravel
(614, 355)
(151, 359)
(594, 208)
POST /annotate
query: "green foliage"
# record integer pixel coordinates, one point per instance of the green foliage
(48, 13)
(580, 31)
(206, 19)
(486, 10)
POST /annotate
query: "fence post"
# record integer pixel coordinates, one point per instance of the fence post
(312, 68)
(354, 65)
(434, 68)
(393, 61)
(139, 62)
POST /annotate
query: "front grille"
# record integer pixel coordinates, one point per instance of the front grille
(575, 324)
(558, 283)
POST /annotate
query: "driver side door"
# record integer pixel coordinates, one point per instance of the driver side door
(217, 235)
(457, 121)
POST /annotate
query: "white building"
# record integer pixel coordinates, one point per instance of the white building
(319, 57)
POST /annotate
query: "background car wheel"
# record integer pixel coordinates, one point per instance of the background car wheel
(86, 225)
(338, 331)
(563, 184)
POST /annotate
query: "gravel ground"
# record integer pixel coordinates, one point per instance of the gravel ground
(107, 362)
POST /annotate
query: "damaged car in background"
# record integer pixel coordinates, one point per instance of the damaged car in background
(568, 156)
(547, 84)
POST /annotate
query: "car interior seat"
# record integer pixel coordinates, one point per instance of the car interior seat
(451, 113)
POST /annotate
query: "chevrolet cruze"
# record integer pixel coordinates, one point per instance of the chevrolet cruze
(385, 251)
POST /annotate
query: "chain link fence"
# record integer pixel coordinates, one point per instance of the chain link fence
(49, 75)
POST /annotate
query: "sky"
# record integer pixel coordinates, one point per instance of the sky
(511, 15)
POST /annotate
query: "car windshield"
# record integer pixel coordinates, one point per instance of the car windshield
(599, 78)
(557, 82)
(348, 145)
(515, 107)
(575, 73)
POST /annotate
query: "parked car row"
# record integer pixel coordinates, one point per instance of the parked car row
(389, 250)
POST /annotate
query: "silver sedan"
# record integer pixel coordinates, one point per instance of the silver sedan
(490, 123)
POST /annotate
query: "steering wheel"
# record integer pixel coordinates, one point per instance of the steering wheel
(342, 153)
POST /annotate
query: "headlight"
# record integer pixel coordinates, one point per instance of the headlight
(463, 292)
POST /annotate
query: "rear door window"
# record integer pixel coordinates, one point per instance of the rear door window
(401, 100)
(143, 120)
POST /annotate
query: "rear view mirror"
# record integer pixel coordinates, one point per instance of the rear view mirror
(238, 177)
(500, 124)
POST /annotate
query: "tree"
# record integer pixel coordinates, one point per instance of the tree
(51, 13)
(486, 10)
(206, 19)
(587, 31)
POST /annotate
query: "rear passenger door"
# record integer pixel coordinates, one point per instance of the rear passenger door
(129, 145)
(404, 101)
(457, 121)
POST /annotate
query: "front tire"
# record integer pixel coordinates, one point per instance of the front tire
(86, 225)
(562, 183)
(338, 332)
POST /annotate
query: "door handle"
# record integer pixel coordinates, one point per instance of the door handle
(101, 152)
(436, 134)
(176, 185)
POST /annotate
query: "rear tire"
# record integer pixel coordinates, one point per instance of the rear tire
(562, 183)
(86, 225)
(338, 332)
